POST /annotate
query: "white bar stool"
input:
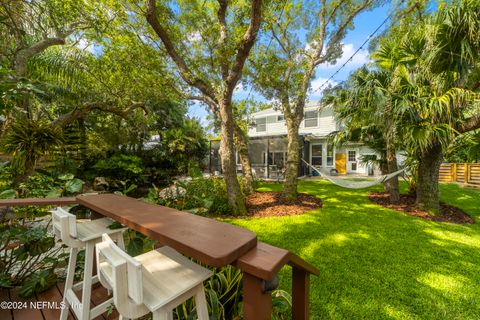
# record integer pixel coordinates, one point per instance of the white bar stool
(78, 236)
(156, 281)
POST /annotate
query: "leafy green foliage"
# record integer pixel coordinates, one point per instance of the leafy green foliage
(281, 304)
(137, 243)
(28, 257)
(8, 194)
(38, 282)
(71, 185)
(223, 292)
(29, 140)
(465, 148)
(120, 166)
(42, 185)
(202, 196)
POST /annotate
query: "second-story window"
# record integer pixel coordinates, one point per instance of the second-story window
(311, 119)
(261, 124)
(280, 118)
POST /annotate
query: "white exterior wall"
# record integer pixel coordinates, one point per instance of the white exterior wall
(326, 123)
(318, 135)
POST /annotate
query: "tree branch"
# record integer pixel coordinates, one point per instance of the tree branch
(281, 44)
(470, 124)
(22, 56)
(209, 102)
(340, 32)
(221, 13)
(79, 113)
(246, 44)
(185, 72)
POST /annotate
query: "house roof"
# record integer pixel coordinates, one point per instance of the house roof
(273, 111)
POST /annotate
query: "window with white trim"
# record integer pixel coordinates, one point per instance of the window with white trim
(311, 119)
(352, 155)
(261, 124)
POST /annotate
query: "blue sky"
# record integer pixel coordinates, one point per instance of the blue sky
(365, 24)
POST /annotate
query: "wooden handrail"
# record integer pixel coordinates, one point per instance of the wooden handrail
(38, 202)
(265, 261)
(210, 241)
(297, 262)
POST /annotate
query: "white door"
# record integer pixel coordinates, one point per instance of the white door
(352, 163)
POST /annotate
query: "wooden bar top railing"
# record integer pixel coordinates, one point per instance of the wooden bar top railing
(207, 240)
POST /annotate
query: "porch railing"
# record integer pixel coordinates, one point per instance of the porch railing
(212, 242)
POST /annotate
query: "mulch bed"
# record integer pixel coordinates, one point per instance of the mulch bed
(447, 213)
(267, 204)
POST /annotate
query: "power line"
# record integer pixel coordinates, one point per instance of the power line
(358, 50)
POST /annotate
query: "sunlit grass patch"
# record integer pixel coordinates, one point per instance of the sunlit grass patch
(377, 263)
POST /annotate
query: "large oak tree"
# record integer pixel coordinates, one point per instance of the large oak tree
(287, 68)
(209, 43)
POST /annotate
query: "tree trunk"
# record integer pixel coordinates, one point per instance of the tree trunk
(391, 185)
(242, 149)
(235, 197)
(428, 194)
(26, 171)
(293, 158)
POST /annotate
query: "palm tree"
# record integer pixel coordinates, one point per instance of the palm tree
(433, 64)
(28, 141)
(366, 106)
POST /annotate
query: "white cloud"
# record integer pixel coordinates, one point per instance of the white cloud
(315, 93)
(195, 36)
(85, 45)
(359, 59)
(199, 111)
(241, 91)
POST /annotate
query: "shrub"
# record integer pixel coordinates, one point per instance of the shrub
(224, 293)
(200, 196)
(29, 258)
(120, 166)
(28, 255)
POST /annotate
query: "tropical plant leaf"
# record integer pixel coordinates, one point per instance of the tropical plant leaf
(75, 185)
(8, 194)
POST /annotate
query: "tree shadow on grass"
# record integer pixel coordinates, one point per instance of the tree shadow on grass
(377, 263)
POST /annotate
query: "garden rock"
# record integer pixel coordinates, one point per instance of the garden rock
(7, 213)
(172, 192)
(100, 184)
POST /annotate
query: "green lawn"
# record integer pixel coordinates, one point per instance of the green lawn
(377, 263)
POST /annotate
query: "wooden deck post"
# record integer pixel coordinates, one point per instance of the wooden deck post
(300, 294)
(256, 304)
(454, 172)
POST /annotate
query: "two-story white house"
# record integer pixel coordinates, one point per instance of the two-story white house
(268, 144)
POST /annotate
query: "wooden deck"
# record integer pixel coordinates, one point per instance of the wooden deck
(209, 241)
(55, 294)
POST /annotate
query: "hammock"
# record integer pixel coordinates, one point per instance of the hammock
(355, 184)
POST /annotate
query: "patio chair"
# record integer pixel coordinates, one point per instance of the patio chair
(82, 236)
(157, 281)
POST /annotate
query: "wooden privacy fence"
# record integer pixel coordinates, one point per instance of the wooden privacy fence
(468, 173)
